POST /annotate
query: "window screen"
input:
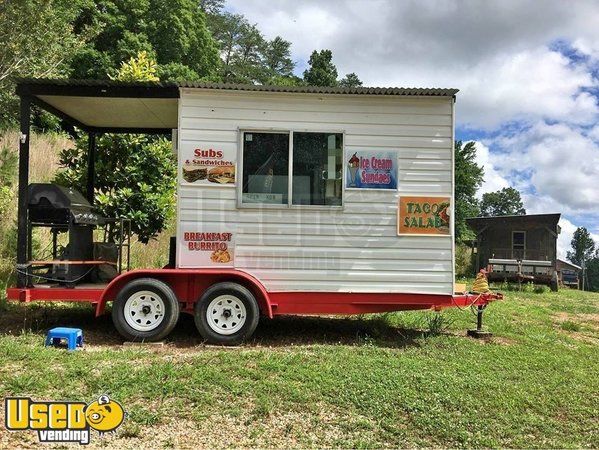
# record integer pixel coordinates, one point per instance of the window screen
(265, 168)
(518, 240)
(317, 168)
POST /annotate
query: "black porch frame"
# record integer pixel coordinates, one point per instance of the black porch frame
(28, 91)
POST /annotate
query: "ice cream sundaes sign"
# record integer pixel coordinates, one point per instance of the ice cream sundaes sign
(371, 170)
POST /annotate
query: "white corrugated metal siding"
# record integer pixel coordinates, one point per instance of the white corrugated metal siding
(352, 249)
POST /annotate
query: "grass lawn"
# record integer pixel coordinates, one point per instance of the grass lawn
(362, 382)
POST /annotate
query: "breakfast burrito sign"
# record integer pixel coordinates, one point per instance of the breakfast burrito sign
(208, 166)
(207, 247)
(371, 170)
(424, 215)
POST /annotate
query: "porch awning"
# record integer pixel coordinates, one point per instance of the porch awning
(106, 106)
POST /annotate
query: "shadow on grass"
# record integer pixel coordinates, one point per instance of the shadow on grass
(279, 332)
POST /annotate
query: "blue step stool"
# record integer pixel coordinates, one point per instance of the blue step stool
(73, 336)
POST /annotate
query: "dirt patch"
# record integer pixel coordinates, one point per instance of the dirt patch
(581, 327)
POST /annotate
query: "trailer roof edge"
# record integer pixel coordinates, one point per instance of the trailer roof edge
(159, 89)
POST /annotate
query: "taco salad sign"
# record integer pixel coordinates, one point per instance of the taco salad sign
(424, 215)
(371, 170)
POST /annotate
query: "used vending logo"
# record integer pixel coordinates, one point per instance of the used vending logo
(63, 421)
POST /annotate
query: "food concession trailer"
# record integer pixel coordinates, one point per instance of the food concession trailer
(291, 200)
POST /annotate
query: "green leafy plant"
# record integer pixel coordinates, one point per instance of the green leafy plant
(437, 323)
(135, 179)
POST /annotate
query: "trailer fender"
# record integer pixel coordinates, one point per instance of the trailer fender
(189, 285)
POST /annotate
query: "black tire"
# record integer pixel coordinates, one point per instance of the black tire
(242, 294)
(170, 314)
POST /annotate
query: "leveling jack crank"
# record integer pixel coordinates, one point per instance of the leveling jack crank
(479, 333)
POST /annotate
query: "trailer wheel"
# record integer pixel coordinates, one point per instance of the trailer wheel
(226, 314)
(145, 309)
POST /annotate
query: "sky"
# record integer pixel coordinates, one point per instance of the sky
(528, 74)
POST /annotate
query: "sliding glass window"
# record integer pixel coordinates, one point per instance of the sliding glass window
(265, 168)
(316, 168)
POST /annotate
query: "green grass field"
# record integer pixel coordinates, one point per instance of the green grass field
(382, 381)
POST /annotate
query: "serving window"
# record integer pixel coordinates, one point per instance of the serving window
(314, 160)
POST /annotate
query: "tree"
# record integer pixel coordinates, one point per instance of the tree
(468, 179)
(37, 40)
(173, 32)
(592, 274)
(583, 247)
(246, 56)
(277, 58)
(506, 202)
(135, 174)
(211, 7)
(246, 63)
(322, 71)
(242, 47)
(350, 80)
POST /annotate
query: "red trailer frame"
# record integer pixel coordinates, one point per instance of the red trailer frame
(190, 284)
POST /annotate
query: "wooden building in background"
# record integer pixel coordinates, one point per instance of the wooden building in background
(568, 273)
(517, 248)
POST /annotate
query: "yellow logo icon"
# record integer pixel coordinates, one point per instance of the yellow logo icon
(63, 421)
(104, 415)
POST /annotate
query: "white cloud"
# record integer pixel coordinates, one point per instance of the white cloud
(557, 161)
(594, 133)
(494, 181)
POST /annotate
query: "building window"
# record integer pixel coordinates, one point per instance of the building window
(265, 168)
(316, 168)
(518, 244)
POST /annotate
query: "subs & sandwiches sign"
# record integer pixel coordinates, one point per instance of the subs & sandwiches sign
(424, 215)
(209, 166)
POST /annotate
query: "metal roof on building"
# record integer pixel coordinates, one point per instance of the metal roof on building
(151, 107)
(436, 92)
(32, 85)
(479, 222)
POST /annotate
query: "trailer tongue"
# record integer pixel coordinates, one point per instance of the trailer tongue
(291, 200)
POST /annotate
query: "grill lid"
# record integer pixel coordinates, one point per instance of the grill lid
(58, 205)
(47, 195)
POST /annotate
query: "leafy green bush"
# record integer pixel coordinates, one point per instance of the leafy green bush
(135, 179)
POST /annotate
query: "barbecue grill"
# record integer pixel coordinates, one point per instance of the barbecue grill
(63, 210)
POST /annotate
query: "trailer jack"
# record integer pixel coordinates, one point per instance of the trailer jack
(478, 333)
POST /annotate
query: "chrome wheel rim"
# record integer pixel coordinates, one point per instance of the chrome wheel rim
(226, 314)
(144, 311)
